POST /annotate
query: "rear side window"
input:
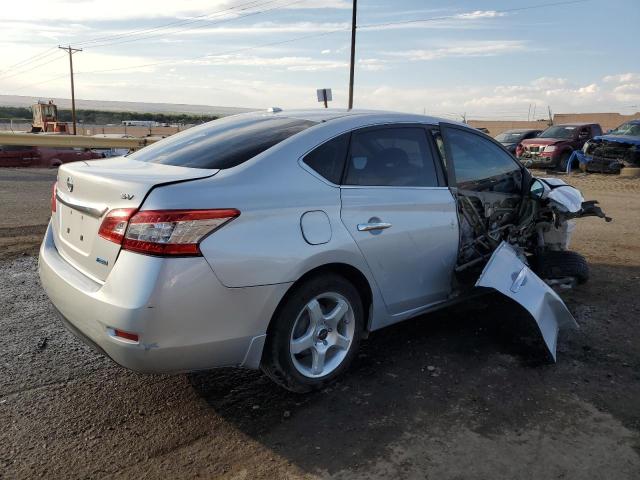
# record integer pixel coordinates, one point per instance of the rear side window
(392, 156)
(222, 143)
(328, 159)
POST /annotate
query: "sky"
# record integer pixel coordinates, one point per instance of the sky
(480, 59)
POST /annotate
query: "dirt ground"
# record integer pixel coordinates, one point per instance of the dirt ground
(461, 394)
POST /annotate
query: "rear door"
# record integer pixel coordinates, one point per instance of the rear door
(401, 215)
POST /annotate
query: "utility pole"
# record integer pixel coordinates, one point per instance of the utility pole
(71, 51)
(353, 51)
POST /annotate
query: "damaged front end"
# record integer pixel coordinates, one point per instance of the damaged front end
(518, 245)
(611, 153)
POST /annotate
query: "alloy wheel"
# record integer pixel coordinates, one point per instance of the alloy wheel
(322, 335)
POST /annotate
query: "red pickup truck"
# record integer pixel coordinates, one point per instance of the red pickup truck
(13, 156)
(552, 148)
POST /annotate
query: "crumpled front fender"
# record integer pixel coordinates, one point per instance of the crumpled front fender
(508, 274)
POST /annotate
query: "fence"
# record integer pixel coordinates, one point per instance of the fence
(24, 125)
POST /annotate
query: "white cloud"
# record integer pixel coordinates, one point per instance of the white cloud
(467, 49)
(480, 14)
(290, 63)
(622, 78)
(547, 83)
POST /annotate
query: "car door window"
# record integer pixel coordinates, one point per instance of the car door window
(584, 133)
(328, 159)
(391, 156)
(481, 165)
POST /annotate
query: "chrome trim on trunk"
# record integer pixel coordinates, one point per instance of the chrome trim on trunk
(90, 209)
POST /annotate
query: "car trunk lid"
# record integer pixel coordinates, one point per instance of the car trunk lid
(87, 191)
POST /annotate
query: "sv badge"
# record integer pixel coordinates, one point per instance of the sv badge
(127, 196)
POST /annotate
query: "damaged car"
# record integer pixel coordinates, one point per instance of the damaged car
(618, 149)
(278, 240)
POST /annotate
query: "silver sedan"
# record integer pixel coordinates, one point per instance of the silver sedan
(277, 240)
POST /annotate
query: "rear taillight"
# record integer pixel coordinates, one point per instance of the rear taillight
(163, 232)
(115, 224)
(54, 202)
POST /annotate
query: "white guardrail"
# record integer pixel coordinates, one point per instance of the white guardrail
(73, 141)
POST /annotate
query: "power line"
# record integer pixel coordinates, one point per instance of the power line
(209, 22)
(20, 72)
(159, 27)
(259, 12)
(461, 16)
(48, 52)
(217, 54)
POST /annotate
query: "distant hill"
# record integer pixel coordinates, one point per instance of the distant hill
(115, 106)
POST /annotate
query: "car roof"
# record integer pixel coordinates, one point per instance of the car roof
(522, 130)
(327, 114)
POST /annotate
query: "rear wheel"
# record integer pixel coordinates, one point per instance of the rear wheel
(559, 265)
(314, 334)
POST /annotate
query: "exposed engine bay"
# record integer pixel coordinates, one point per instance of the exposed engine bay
(535, 223)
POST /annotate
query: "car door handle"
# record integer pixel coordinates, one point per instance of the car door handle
(368, 227)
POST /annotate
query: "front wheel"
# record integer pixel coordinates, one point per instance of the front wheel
(558, 265)
(314, 334)
(563, 162)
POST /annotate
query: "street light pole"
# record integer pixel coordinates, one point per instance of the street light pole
(71, 51)
(353, 52)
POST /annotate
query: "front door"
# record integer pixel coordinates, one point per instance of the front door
(401, 215)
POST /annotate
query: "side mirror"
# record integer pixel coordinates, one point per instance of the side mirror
(537, 189)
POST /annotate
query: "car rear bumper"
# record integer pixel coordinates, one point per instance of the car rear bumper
(185, 318)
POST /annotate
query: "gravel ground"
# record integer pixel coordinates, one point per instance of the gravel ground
(464, 393)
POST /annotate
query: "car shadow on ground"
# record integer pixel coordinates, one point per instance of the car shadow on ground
(430, 366)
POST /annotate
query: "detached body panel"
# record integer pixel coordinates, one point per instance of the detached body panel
(509, 275)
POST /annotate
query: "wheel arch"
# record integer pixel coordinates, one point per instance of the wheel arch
(345, 270)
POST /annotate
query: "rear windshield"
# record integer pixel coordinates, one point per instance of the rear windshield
(222, 143)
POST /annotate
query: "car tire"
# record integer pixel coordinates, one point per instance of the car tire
(564, 160)
(306, 349)
(553, 265)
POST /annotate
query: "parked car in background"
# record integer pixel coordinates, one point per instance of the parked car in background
(511, 138)
(47, 157)
(278, 240)
(112, 152)
(617, 149)
(553, 147)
